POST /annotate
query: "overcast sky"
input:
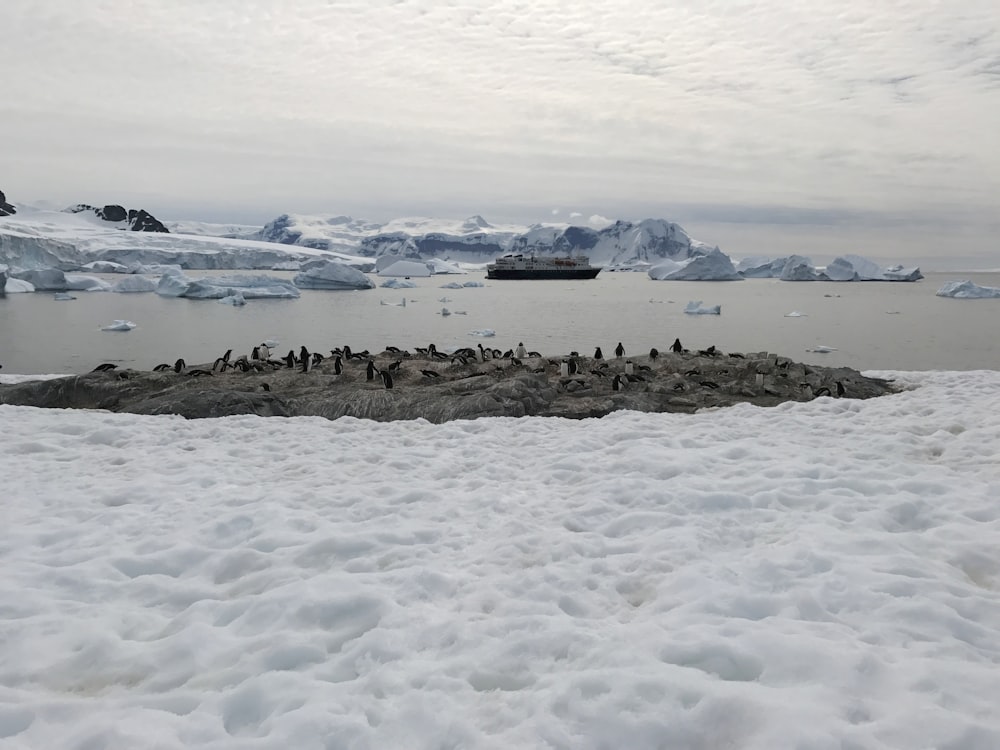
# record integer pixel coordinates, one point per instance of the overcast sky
(771, 123)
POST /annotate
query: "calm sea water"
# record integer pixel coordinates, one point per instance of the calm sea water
(872, 325)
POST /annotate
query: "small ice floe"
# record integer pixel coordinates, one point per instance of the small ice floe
(821, 349)
(119, 325)
(795, 314)
(696, 308)
(452, 285)
(63, 296)
(236, 300)
(445, 311)
(484, 332)
(393, 304)
(271, 343)
(459, 312)
(892, 312)
(444, 300)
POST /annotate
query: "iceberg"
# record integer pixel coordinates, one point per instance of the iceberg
(334, 276)
(135, 284)
(251, 286)
(397, 283)
(800, 268)
(119, 325)
(404, 268)
(43, 279)
(968, 290)
(713, 266)
(695, 308)
(105, 266)
(236, 300)
(79, 283)
(17, 286)
(63, 296)
(484, 332)
(856, 268)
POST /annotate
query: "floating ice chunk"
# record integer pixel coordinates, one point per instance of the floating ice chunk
(452, 285)
(967, 290)
(473, 284)
(15, 286)
(821, 349)
(394, 304)
(120, 325)
(135, 284)
(445, 311)
(236, 299)
(405, 268)
(795, 314)
(695, 308)
(63, 296)
(397, 283)
(484, 332)
(333, 276)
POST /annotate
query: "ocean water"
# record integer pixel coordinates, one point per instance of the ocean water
(871, 325)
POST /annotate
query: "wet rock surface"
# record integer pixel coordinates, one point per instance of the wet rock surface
(440, 389)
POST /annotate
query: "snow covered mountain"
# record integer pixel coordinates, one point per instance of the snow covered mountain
(37, 239)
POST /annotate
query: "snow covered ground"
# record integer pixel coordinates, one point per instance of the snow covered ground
(818, 575)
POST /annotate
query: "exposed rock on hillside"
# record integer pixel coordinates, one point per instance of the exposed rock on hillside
(6, 209)
(137, 220)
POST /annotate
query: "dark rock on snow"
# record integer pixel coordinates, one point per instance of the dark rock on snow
(137, 220)
(673, 382)
(5, 208)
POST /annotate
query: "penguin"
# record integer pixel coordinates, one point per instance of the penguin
(653, 354)
(617, 384)
(290, 359)
(619, 350)
(179, 365)
(572, 367)
(265, 351)
(370, 372)
(598, 354)
(317, 358)
(265, 386)
(338, 365)
(840, 389)
(395, 365)
(430, 374)
(520, 352)
(386, 379)
(305, 361)
(162, 367)
(303, 353)
(676, 347)
(225, 357)
(106, 367)
(347, 351)
(255, 354)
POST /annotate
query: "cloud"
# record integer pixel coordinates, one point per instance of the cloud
(469, 106)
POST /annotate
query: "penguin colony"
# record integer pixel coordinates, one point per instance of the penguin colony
(709, 369)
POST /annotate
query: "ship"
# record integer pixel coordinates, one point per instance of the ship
(532, 267)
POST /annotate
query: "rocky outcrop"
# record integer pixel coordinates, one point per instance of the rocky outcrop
(137, 220)
(6, 209)
(683, 382)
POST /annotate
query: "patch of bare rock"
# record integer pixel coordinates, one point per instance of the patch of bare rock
(440, 388)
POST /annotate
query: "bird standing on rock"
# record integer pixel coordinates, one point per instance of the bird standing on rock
(676, 347)
(619, 350)
(598, 354)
